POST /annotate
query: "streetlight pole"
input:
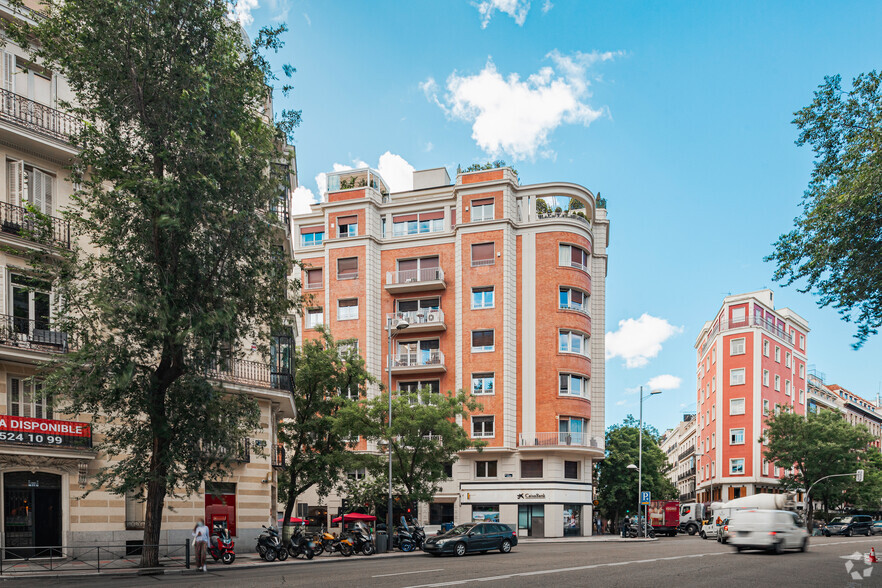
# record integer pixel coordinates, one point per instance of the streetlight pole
(640, 460)
(399, 325)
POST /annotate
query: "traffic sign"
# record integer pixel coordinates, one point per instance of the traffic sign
(645, 497)
(596, 502)
(859, 476)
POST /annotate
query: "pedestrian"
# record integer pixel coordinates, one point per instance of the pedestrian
(609, 526)
(200, 542)
(598, 526)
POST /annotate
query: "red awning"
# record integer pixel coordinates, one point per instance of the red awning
(294, 520)
(355, 516)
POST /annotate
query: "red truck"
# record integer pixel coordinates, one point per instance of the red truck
(664, 516)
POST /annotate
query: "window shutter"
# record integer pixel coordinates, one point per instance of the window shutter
(15, 180)
(482, 338)
(347, 265)
(314, 277)
(482, 202)
(406, 265)
(427, 262)
(14, 398)
(399, 218)
(347, 220)
(427, 216)
(48, 188)
(312, 229)
(482, 251)
(564, 255)
(8, 73)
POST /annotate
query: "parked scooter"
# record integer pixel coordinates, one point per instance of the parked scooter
(362, 539)
(315, 539)
(220, 546)
(332, 543)
(269, 545)
(300, 544)
(635, 529)
(403, 540)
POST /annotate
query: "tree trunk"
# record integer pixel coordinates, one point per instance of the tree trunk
(289, 507)
(153, 520)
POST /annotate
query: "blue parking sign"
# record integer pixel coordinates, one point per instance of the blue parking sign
(645, 498)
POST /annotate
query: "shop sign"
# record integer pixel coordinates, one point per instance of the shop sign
(531, 496)
(44, 432)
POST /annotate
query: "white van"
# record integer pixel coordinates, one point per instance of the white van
(772, 530)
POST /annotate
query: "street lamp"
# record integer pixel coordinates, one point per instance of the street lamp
(394, 325)
(640, 458)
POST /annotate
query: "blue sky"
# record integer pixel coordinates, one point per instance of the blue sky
(678, 113)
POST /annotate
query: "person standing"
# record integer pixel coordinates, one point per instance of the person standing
(200, 542)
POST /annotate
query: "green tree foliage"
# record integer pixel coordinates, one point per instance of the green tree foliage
(330, 374)
(181, 262)
(496, 164)
(834, 249)
(542, 206)
(425, 437)
(617, 485)
(820, 445)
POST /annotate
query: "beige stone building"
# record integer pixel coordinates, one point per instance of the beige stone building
(47, 459)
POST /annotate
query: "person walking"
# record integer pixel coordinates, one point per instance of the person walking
(598, 526)
(200, 542)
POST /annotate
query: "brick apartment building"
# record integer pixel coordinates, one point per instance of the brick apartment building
(503, 288)
(751, 360)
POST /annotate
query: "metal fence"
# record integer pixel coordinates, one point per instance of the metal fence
(32, 334)
(88, 558)
(19, 221)
(34, 116)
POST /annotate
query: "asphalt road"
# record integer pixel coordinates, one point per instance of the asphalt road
(680, 561)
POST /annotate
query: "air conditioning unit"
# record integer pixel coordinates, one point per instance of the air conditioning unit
(434, 317)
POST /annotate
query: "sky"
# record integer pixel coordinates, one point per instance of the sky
(678, 113)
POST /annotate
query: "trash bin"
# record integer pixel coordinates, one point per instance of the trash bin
(382, 542)
(446, 527)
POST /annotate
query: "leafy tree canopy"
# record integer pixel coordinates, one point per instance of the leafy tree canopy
(835, 249)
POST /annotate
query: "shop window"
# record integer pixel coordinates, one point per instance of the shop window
(440, 513)
(489, 513)
(531, 468)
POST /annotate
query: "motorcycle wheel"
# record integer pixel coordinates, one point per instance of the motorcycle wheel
(368, 549)
(319, 549)
(269, 555)
(292, 551)
(308, 552)
(228, 557)
(345, 550)
(283, 554)
(406, 546)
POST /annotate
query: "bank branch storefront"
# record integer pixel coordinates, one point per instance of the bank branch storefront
(538, 509)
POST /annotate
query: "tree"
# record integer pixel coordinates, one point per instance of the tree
(834, 247)
(816, 446)
(542, 206)
(425, 437)
(330, 374)
(617, 485)
(182, 259)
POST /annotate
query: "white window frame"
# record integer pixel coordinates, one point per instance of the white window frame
(777, 354)
(482, 434)
(802, 396)
(732, 466)
(713, 355)
(734, 403)
(739, 315)
(570, 305)
(350, 232)
(27, 400)
(766, 347)
(484, 290)
(485, 348)
(786, 387)
(480, 383)
(765, 468)
(482, 212)
(766, 407)
(713, 383)
(734, 434)
(315, 317)
(802, 371)
(583, 385)
(344, 313)
(766, 378)
(737, 377)
(566, 259)
(570, 335)
(786, 359)
(737, 346)
(714, 412)
(777, 383)
(713, 440)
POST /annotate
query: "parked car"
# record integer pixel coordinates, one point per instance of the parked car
(723, 532)
(770, 530)
(876, 528)
(472, 537)
(849, 525)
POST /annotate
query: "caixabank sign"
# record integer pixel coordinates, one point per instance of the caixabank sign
(44, 432)
(547, 492)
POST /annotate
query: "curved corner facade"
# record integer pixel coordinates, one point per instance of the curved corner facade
(504, 294)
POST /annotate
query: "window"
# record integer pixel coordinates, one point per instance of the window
(570, 430)
(572, 256)
(420, 308)
(482, 426)
(571, 470)
(766, 407)
(483, 254)
(347, 268)
(787, 387)
(572, 385)
(27, 400)
(765, 378)
(713, 440)
(736, 466)
(802, 342)
(766, 348)
(310, 236)
(485, 469)
(482, 209)
(31, 309)
(714, 413)
(40, 186)
(714, 355)
(802, 370)
(736, 346)
(777, 383)
(736, 436)
(777, 354)
(802, 396)
(713, 384)
(413, 224)
(418, 388)
(738, 315)
(347, 309)
(356, 474)
(314, 318)
(572, 299)
(531, 468)
(776, 471)
(765, 468)
(314, 279)
(419, 270)
(736, 406)
(786, 359)
(573, 342)
(482, 340)
(482, 297)
(483, 384)
(347, 226)
(713, 468)
(736, 377)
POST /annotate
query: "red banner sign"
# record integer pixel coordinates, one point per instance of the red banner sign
(45, 432)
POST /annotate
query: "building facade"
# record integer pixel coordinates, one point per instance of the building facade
(503, 289)
(859, 411)
(679, 447)
(751, 361)
(47, 459)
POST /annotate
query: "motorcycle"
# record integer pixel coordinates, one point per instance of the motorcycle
(403, 540)
(269, 545)
(332, 543)
(220, 547)
(362, 539)
(315, 540)
(636, 530)
(299, 544)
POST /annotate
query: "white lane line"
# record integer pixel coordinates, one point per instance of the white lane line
(842, 542)
(562, 570)
(404, 573)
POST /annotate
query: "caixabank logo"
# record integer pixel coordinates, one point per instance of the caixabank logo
(858, 566)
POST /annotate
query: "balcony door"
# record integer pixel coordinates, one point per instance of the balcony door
(30, 305)
(418, 352)
(570, 431)
(418, 270)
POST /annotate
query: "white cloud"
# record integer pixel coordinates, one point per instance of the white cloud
(397, 172)
(302, 199)
(516, 116)
(517, 9)
(429, 146)
(308, 20)
(621, 403)
(240, 10)
(547, 6)
(664, 382)
(639, 340)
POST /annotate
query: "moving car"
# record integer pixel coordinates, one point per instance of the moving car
(723, 532)
(472, 537)
(770, 530)
(850, 525)
(876, 528)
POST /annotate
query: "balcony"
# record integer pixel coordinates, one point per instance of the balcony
(420, 321)
(44, 120)
(31, 334)
(576, 215)
(687, 474)
(560, 440)
(419, 361)
(686, 453)
(430, 278)
(766, 325)
(248, 373)
(18, 221)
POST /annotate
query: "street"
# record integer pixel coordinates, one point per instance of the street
(680, 561)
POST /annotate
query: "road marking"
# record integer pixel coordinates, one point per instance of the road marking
(404, 573)
(563, 570)
(842, 543)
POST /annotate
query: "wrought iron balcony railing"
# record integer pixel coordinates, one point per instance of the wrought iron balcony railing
(32, 334)
(19, 221)
(32, 115)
